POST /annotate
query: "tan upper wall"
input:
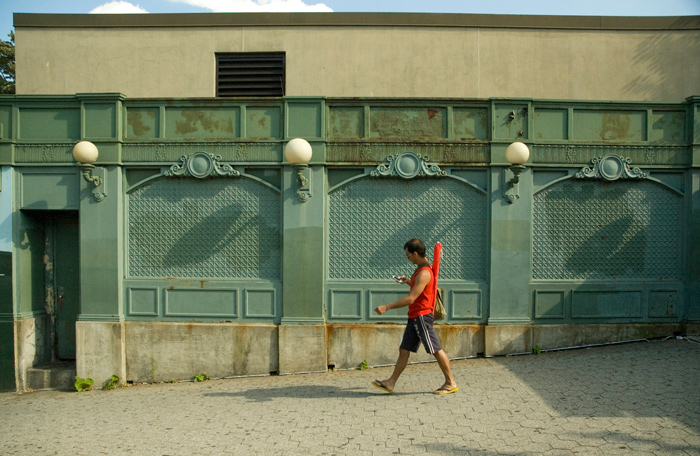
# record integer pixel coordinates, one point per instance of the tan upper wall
(366, 55)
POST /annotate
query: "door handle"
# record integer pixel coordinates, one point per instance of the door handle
(61, 297)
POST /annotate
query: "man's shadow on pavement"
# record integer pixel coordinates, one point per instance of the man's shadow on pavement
(304, 392)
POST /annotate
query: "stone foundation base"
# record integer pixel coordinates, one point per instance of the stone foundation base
(165, 351)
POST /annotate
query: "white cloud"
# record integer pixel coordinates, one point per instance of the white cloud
(256, 6)
(118, 7)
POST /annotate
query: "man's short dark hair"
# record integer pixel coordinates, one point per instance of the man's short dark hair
(415, 246)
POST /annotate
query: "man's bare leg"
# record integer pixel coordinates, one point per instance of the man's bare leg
(401, 364)
(444, 363)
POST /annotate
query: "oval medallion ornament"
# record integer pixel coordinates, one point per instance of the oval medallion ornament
(407, 166)
(200, 164)
(611, 167)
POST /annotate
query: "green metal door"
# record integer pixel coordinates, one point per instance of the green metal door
(63, 247)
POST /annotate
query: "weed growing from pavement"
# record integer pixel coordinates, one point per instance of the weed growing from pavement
(111, 383)
(83, 384)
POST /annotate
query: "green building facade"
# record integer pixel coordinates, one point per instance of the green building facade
(197, 253)
(192, 245)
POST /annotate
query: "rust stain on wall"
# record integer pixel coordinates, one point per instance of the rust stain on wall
(135, 121)
(207, 121)
(615, 127)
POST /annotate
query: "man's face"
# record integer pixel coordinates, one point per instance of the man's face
(411, 256)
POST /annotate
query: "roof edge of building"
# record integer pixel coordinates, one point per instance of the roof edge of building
(30, 20)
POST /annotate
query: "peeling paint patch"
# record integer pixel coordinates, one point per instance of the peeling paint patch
(135, 121)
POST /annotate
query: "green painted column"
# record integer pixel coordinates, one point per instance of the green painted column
(302, 271)
(510, 245)
(303, 328)
(101, 249)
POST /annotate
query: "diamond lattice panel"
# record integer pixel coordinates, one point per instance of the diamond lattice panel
(216, 228)
(598, 230)
(371, 219)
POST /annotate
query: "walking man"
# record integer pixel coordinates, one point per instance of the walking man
(419, 329)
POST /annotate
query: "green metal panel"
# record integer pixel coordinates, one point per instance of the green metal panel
(102, 250)
(5, 121)
(49, 189)
(551, 124)
(370, 220)
(100, 120)
(346, 122)
(202, 122)
(668, 127)
(470, 124)
(142, 122)
(510, 121)
(49, 123)
(218, 303)
(304, 119)
(617, 126)
(263, 122)
(204, 228)
(622, 230)
(408, 122)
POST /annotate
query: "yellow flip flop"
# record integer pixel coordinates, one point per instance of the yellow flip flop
(381, 386)
(445, 390)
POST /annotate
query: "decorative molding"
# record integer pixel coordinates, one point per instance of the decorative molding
(201, 165)
(407, 165)
(229, 151)
(44, 153)
(611, 167)
(582, 153)
(364, 152)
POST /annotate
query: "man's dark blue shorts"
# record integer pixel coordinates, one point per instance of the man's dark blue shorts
(420, 329)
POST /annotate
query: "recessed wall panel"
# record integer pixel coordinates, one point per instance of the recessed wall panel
(143, 301)
(607, 304)
(549, 304)
(203, 303)
(260, 303)
(49, 123)
(466, 304)
(346, 304)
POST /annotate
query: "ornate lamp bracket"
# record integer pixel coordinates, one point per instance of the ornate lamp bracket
(97, 177)
(407, 165)
(201, 165)
(611, 167)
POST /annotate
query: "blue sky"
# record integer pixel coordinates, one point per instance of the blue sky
(549, 7)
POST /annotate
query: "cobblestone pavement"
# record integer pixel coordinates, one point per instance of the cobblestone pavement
(639, 398)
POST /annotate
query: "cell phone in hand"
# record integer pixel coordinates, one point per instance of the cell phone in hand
(396, 278)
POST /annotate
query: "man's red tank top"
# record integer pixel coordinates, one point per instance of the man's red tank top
(424, 303)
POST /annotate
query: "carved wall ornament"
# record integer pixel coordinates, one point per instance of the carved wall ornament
(242, 152)
(365, 153)
(650, 155)
(611, 167)
(407, 165)
(201, 165)
(449, 154)
(47, 155)
(160, 153)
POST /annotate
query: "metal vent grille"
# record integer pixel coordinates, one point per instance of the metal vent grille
(250, 75)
